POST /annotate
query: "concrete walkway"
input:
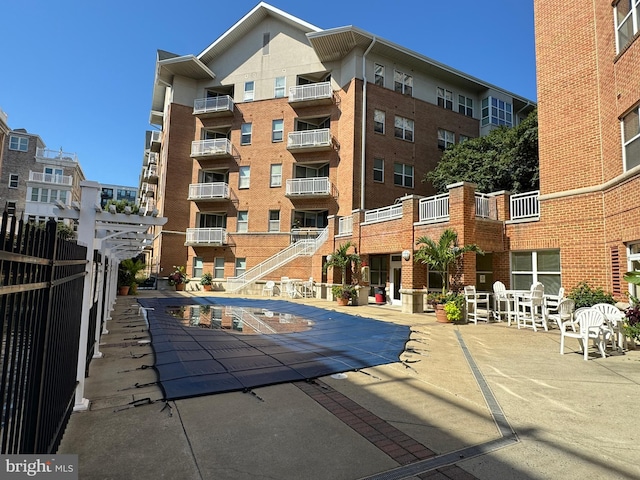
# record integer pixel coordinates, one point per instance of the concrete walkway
(467, 401)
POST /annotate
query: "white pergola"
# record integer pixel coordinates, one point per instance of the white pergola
(116, 236)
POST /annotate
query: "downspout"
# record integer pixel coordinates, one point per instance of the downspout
(364, 122)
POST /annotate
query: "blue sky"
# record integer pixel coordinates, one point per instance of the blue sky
(80, 73)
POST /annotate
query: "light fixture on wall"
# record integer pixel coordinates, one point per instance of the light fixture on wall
(406, 255)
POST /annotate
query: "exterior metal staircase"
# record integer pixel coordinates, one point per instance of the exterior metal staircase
(301, 248)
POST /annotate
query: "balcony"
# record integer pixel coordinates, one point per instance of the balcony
(315, 187)
(154, 141)
(206, 236)
(434, 209)
(50, 178)
(209, 191)
(311, 94)
(525, 206)
(46, 155)
(213, 106)
(151, 173)
(383, 214)
(345, 225)
(310, 140)
(212, 148)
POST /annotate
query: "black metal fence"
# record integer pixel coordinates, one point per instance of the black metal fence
(41, 288)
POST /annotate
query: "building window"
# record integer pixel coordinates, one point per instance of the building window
(11, 208)
(13, 180)
(218, 267)
(197, 267)
(245, 176)
(542, 266)
(402, 83)
(626, 16)
(280, 87)
(266, 38)
(18, 143)
(463, 138)
(378, 121)
(496, 112)
(404, 128)
(277, 130)
(276, 175)
(241, 266)
(35, 193)
(445, 98)
(378, 74)
(445, 138)
(243, 221)
(378, 170)
(631, 135)
(403, 175)
(465, 105)
(249, 90)
(44, 195)
(274, 220)
(245, 134)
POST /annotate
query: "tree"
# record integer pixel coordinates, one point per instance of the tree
(506, 159)
(342, 259)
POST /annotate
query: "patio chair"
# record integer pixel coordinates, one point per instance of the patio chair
(308, 288)
(591, 325)
(531, 309)
(268, 288)
(476, 305)
(502, 303)
(551, 302)
(615, 318)
(283, 285)
(564, 313)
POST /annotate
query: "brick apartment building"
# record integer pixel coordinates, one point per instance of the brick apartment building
(280, 133)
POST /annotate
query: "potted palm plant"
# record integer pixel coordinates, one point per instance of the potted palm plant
(206, 280)
(440, 255)
(179, 277)
(343, 260)
(127, 272)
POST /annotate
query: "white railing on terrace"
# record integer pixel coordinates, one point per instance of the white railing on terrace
(435, 209)
(207, 236)
(249, 319)
(312, 91)
(305, 233)
(525, 206)
(215, 146)
(153, 157)
(345, 225)
(383, 214)
(203, 191)
(483, 206)
(213, 104)
(50, 178)
(309, 138)
(151, 171)
(56, 155)
(297, 249)
(156, 135)
(309, 186)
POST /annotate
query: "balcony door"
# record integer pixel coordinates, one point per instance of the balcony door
(212, 220)
(213, 176)
(306, 171)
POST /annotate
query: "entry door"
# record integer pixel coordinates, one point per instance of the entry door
(396, 278)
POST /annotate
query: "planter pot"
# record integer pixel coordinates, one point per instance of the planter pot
(441, 315)
(123, 290)
(179, 287)
(342, 301)
(207, 288)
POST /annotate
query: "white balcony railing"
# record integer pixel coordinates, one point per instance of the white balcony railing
(309, 186)
(309, 139)
(153, 158)
(313, 91)
(213, 105)
(435, 209)
(345, 225)
(45, 153)
(208, 191)
(483, 206)
(383, 214)
(216, 146)
(50, 178)
(156, 136)
(206, 236)
(525, 206)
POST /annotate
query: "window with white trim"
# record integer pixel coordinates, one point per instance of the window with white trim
(403, 175)
(446, 138)
(378, 74)
(218, 267)
(240, 267)
(445, 98)
(249, 91)
(402, 83)
(496, 112)
(463, 138)
(530, 267)
(18, 143)
(198, 267)
(277, 130)
(630, 124)
(465, 105)
(627, 22)
(274, 220)
(378, 170)
(276, 175)
(404, 128)
(280, 87)
(13, 180)
(378, 121)
(245, 177)
(243, 221)
(245, 134)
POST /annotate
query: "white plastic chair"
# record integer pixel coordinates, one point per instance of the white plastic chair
(283, 285)
(268, 288)
(564, 313)
(615, 319)
(551, 302)
(592, 325)
(531, 308)
(308, 288)
(476, 305)
(502, 303)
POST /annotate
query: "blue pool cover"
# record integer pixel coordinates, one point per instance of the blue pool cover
(202, 361)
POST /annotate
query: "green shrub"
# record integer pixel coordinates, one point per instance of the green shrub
(586, 296)
(453, 311)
